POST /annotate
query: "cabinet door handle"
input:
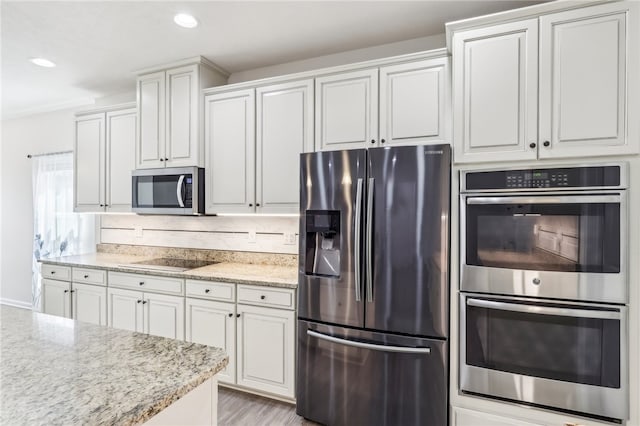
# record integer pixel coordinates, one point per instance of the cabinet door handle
(141, 283)
(162, 159)
(382, 141)
(144, 302)
(53, 272)
(86, 276)
(250, 205)
(206, 290)
(237, 315)
(546, 143)
(73, 291)
(166, 159)
(532, 145)
(139, 301)
(230, 315)
(373, 141)
(257, 204)
(66, 291)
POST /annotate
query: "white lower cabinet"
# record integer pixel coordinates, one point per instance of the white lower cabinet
(465, 417)
(214, 324)
(266, 349)
(89, 303)
(56, 298)
(78, 301)
(155, 314)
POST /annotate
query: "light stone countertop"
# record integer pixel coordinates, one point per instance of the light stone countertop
(241, 273)
(55, 370)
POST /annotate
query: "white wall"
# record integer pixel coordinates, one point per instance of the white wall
(47, 132)
(383, 51)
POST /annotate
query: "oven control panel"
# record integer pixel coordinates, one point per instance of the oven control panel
(553, 178)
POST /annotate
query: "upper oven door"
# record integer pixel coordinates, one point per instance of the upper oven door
(566, 246)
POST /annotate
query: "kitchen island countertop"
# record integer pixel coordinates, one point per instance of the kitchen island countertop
(240, 273)
(59, 371)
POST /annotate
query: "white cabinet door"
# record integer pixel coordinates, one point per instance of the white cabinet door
(182, 148)
(346, 110)
(230, 152)
(583, 82)
(89, 163)
(125, 309)
(150, 144)
(89, 303)
(56, 298)
(214, 324)
(120, 149)
(266, 349)
(164, 315)
(414, 102)
(284, 130)
(495, 87)
(464, 417)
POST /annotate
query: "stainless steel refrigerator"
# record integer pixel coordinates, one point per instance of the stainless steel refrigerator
(373, 286)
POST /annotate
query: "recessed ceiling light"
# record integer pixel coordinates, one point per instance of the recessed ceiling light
(43, 62)
(185, 20)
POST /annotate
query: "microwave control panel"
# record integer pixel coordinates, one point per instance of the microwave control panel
(553, 178)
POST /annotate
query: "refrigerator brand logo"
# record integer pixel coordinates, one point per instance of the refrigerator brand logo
(432, 152)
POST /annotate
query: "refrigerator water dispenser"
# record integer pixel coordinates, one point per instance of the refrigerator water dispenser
(323, 243)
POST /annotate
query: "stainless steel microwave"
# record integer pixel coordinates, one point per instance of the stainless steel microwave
(178, 190)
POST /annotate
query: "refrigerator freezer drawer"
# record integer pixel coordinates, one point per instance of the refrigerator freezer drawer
(355, 377)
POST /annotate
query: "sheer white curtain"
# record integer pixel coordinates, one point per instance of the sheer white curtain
(58, 231)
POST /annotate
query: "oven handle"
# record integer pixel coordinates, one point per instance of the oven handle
(563, 199)
(544, 310)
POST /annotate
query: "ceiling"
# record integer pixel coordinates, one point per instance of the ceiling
(97, 44)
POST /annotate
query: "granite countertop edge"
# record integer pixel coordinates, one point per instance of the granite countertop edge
(189, 274)
(165, 402)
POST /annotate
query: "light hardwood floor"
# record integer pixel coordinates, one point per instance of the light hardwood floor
(243, 409)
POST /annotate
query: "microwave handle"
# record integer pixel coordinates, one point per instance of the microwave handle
(561, 199)
(179, 191)
(544, 310)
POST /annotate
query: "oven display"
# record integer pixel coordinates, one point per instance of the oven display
(574, 177)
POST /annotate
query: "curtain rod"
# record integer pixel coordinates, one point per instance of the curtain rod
(48, 153)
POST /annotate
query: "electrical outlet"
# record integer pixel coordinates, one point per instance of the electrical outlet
(138, 232)
(252, 236)
(289, 238)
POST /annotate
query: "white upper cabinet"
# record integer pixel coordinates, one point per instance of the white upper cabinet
(583, 82)
(346, 110)
(414, 102)
(169, 107)
(560, 85)
(89, 162)
(120, 154)
(254, 138)
(230, 152)
(151, 103)
(284, 130)
(495, 86)
(104, 159)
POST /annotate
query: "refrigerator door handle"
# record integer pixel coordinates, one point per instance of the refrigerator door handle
(358, 238)
(369, 239)
(383, 348)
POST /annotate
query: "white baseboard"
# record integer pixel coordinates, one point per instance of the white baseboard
(15, 303)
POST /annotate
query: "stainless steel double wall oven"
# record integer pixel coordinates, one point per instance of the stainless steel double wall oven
(544, 287)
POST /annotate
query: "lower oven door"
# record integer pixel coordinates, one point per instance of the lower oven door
(567, 356)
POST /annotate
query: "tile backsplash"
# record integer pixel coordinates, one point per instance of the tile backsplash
(258, 234)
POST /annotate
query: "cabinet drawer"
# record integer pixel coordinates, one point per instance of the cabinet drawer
(55, 272)
(146, 282)
(89, 276)
(266, 296)
(211, 290)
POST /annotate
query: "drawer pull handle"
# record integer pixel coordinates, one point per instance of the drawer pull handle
(86, 276)
(207, 290)
(263, 297)
(53, 272)
(141, 283)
